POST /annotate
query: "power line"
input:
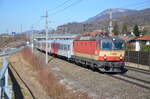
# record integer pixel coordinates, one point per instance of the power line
(143, 5)
(65, 2)
(37, 22)
(60, 5)
(63, 9)
(134, 4)
(138, 5)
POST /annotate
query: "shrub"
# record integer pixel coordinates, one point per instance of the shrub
(48, 80)
(145, 47)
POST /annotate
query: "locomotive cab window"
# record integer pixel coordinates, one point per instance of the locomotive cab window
(118, 45)
(112, 45)
(106, 45)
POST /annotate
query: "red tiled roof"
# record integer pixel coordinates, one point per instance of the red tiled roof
(146, 37)
(91, 33)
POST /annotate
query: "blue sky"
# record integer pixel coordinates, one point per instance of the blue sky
(14, 13)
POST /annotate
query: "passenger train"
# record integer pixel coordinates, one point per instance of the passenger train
(105, 54)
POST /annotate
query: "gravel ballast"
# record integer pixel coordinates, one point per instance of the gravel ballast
(100, 86)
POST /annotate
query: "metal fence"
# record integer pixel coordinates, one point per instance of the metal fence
(5, 88)
(138, 57)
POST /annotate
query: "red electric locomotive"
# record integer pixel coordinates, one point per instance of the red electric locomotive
(104, 54)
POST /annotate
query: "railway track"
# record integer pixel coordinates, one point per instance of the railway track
(132, 80)
(138, 70)
(31, 93)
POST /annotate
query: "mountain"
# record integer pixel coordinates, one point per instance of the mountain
(100, 22)
(29, 32)
(116, 12)
(74, 27)
(121, 16)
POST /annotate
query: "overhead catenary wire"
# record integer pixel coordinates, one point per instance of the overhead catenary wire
(63, 9)
(78, 1)
(138, 7)
(135, 4)
(58, 11)
(60, 5)
(142, 5)
(37, 22)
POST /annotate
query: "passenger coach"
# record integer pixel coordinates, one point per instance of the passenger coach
(104, 54)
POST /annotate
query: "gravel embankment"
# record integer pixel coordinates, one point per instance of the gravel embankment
(100, 86)
(29, 76)
(139, 75)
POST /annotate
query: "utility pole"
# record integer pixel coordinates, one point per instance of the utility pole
(110, 23)
(46, 30)
(21, 28)
(32, 38)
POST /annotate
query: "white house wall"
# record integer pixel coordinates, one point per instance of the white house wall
(137, 46)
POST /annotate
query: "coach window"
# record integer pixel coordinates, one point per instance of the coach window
(52, 45)
(62, 47)
(42, 44)
(65, 48)
(68, 47)
(48, 44)
(56, 46)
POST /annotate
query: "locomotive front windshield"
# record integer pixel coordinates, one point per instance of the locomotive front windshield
(107, 45)
(118, 45)
(112, 45)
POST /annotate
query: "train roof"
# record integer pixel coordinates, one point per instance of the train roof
(62, 41)
(64, 36)
(58, 36)
(84, 38)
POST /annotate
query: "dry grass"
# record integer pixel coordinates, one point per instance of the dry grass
(48, 80)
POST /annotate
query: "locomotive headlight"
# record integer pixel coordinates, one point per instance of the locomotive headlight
(105, 57)
(121, 57)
